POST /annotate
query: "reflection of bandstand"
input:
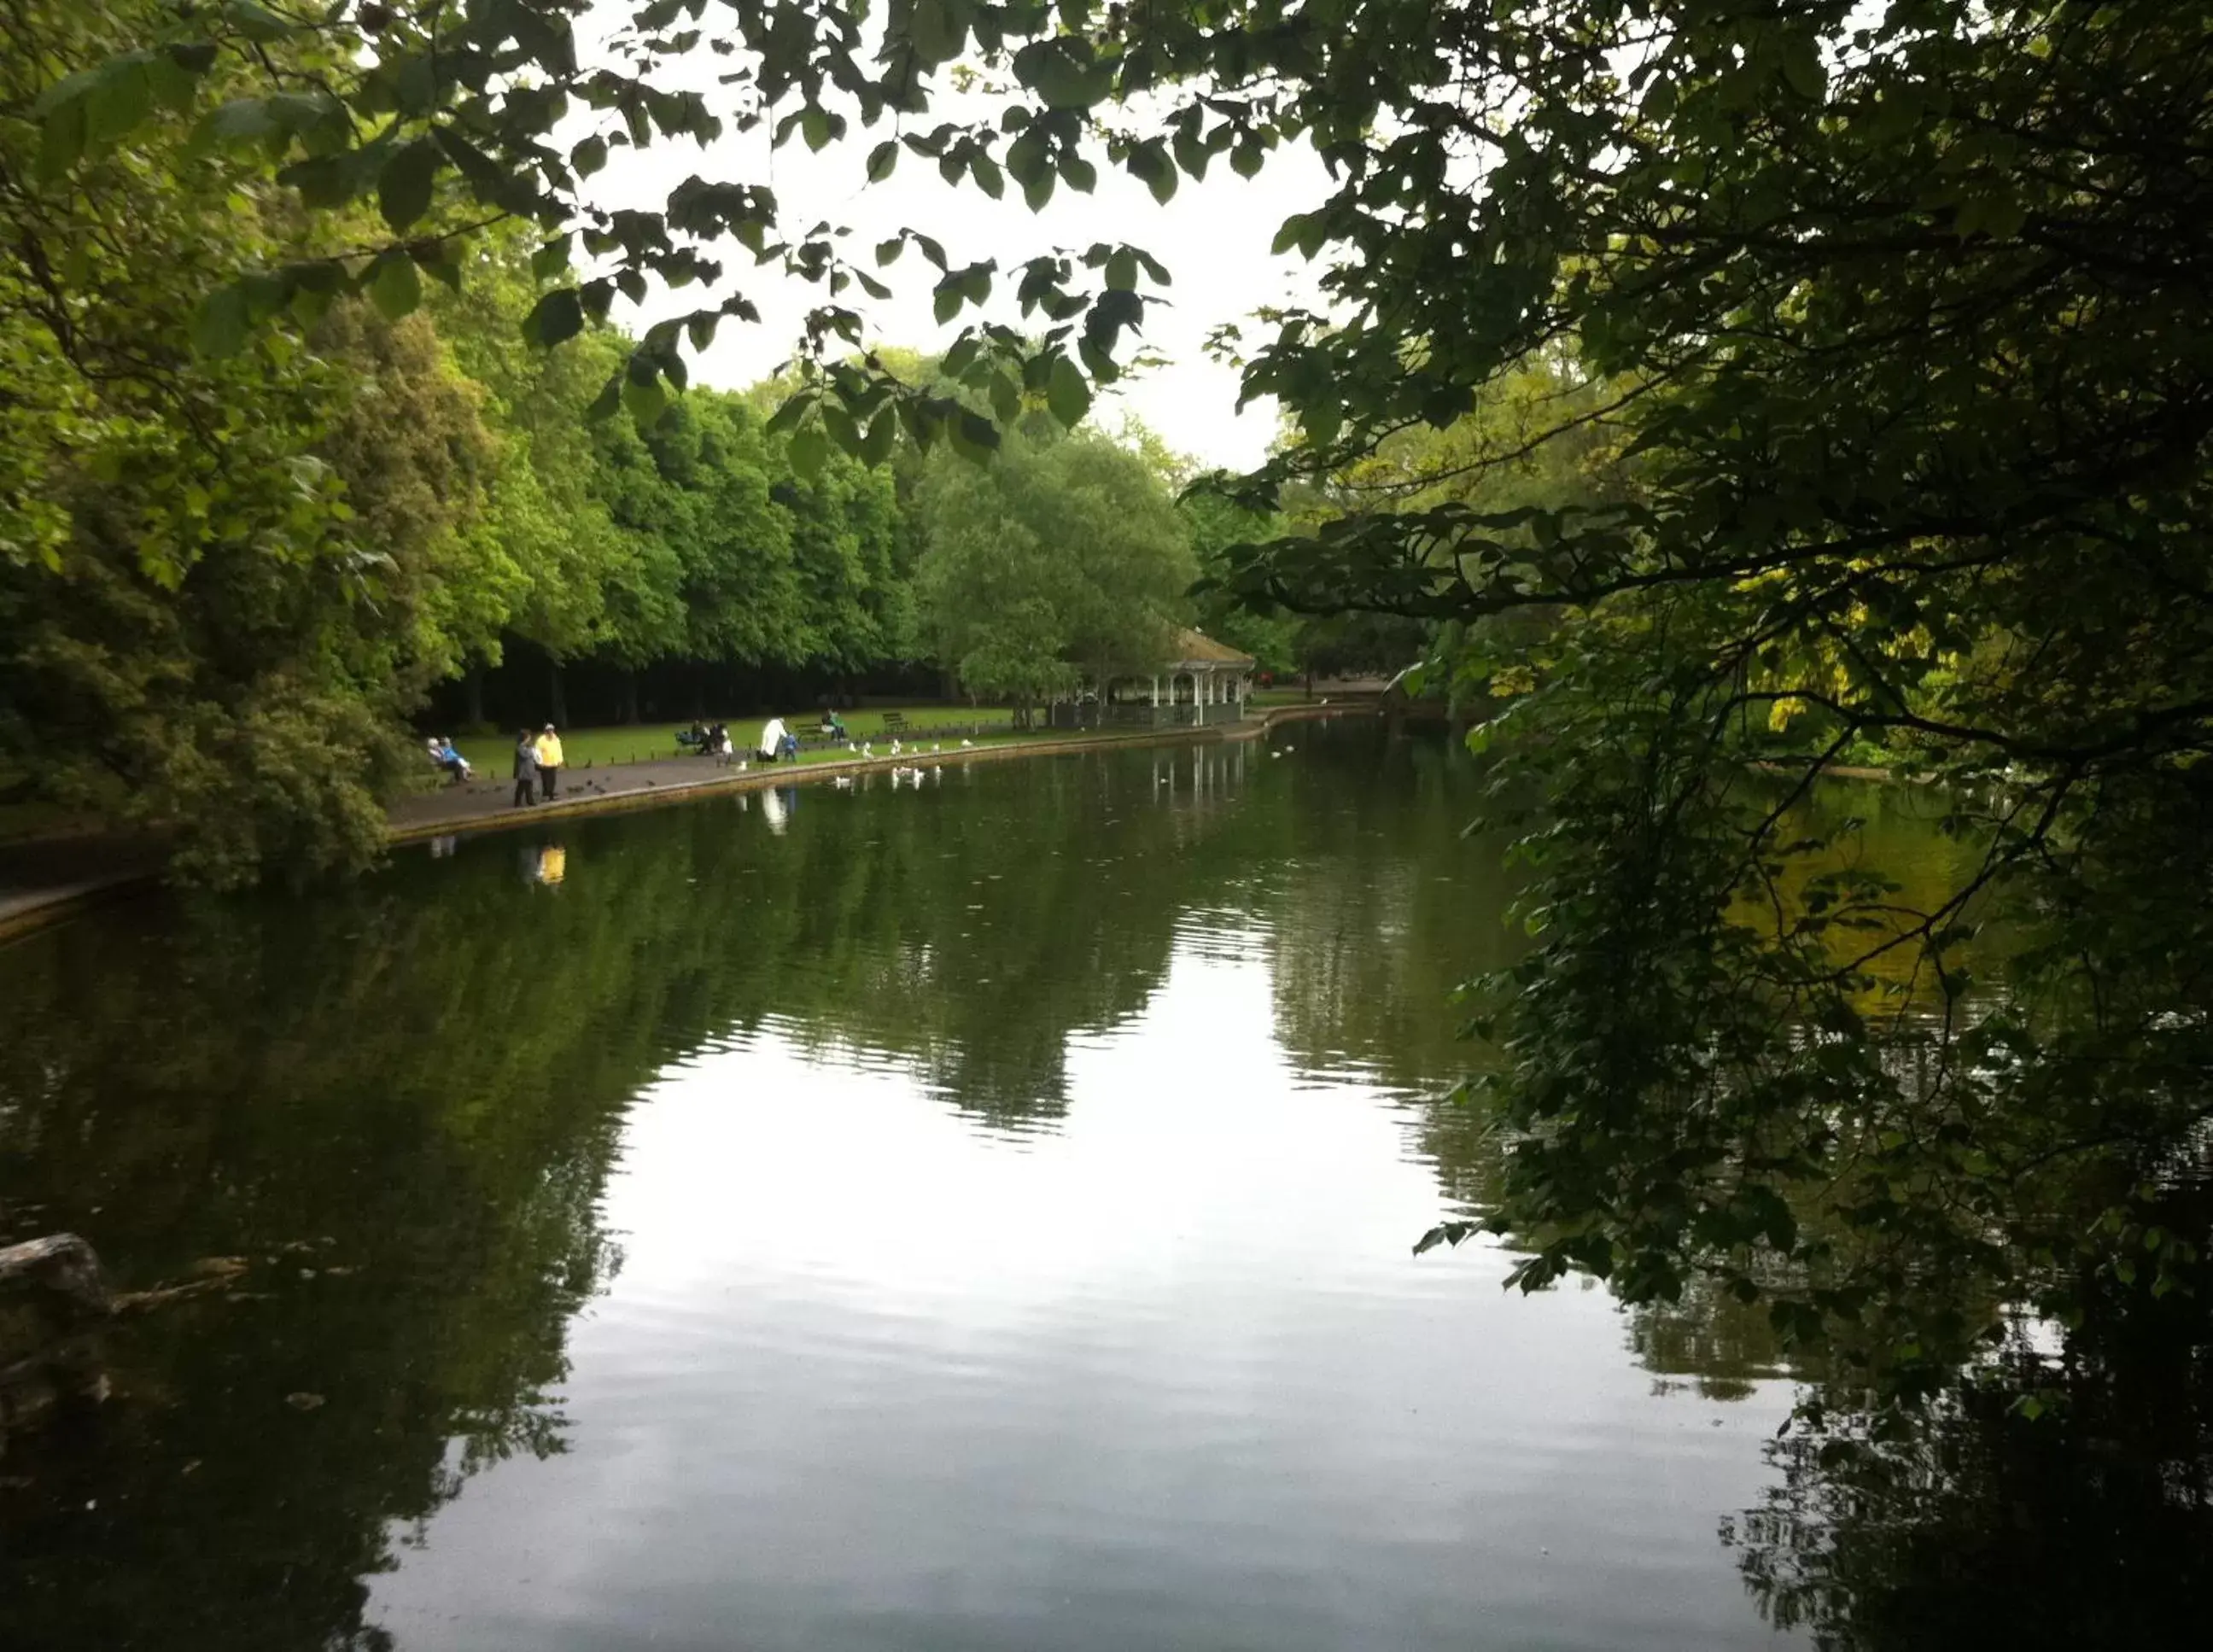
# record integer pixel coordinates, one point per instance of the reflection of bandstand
(1206, 683)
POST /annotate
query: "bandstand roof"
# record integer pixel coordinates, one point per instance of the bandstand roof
(1196, 652)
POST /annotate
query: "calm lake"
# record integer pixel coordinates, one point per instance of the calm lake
(976, 1214)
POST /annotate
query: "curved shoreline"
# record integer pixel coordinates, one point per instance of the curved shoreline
(35, 909)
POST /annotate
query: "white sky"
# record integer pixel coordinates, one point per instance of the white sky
(1214, 238)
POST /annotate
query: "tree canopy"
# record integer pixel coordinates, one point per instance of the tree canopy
(1064, 557)
(1871, 337)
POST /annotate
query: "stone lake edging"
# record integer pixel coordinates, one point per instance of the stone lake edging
(24, 910)
(499, 818)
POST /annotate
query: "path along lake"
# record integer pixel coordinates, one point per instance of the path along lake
(975, 1214)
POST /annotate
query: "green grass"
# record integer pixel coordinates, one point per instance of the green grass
(602, 747)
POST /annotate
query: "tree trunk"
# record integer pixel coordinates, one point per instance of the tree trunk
(472, 704)
(630, 695)
(557, 702)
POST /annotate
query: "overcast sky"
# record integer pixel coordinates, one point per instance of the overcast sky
(1213, 237)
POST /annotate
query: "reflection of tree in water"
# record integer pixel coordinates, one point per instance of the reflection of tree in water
(1378, 908)
(402, 1102)
(416, 1200)
(2087, 1524)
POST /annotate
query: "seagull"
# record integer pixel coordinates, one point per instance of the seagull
(895, 747)
(966, 744)
(843, 782)
(865, 752)
(935, 750)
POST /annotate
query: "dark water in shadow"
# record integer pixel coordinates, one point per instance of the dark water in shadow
(970, 1215)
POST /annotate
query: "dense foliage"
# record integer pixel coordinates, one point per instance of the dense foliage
(1870, 419)
(1064, 557)
(246, 531)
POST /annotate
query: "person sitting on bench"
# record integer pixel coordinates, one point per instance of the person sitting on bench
(455, 766)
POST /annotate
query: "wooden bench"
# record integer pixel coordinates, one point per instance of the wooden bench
(896, 724)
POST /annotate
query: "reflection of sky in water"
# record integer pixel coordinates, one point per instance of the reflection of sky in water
(1015, 1176)
(1163, 1374)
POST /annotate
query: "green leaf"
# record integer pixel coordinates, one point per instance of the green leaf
(700, 330)
(402, 188)
(328, 180)
(550, 260)
(255, 21)
(1122, 270)
(642, 398)
(988, 178)
(392, 285)
(175, 86)
(119, 100)
(809, 447)
(973, 436)
(1064, 72)
(1247, 158)
(1305, 230)
(242, 120)
(787, 417)
(589, 156)
(607, 403)
(876, 441)
(1801, 68)
(883, 159)
(937, 29)
(1149, 164)
(557, 316)
(838, 424)
(219, 324)
(1068, 393)
(69, 89)
(948, 301)
(194, 57)
(61, 141)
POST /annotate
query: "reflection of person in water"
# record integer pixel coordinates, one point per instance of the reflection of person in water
(547, 864)
(771, 802)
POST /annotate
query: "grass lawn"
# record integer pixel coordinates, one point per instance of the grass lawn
(601, 747)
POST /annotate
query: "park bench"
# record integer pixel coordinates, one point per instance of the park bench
(896, 724)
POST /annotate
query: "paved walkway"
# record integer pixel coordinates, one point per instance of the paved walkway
(40, 881)
(476, 801)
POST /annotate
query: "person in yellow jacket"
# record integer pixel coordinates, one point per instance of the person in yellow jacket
(549, 763)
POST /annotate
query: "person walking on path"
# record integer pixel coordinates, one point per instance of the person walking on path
(549, 763)
(526, 769)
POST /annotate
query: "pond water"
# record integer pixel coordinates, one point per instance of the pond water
(972, 1214)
